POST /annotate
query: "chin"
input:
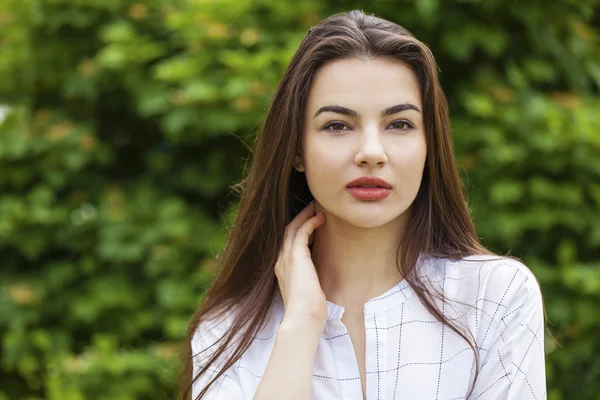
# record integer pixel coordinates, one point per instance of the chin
(371, 222)
(364, 218)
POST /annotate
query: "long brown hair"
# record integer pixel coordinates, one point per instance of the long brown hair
(274, 192)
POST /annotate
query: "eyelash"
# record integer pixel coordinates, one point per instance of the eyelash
(328, 126)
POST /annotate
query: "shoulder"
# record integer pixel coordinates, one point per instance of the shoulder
(205, 342)
(209, 336)
(492, 279)
(497, 297)
(208, 333)
(214, 324)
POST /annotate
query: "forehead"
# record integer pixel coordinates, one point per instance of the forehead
(374, 83)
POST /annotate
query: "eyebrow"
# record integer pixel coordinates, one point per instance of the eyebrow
(351, 113)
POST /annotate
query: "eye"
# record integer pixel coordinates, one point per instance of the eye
(402, 125)
(335, 126)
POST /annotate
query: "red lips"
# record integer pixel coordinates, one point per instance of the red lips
(369, 188)
(369, 180)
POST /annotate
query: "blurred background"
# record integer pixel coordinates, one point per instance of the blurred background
(124, 124)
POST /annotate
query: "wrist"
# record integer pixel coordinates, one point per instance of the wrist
(301, 326)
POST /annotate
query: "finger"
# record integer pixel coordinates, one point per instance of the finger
(307, 229)
(301, 218)
(295, 223)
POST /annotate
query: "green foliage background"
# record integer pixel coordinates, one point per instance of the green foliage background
(127, 122)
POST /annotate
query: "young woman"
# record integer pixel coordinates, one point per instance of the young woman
(353, 270)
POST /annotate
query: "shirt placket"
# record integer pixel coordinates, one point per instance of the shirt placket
(376, 355)
(346, 364)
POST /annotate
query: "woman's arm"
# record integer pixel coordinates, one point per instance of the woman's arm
(289, 372)
(513, 365)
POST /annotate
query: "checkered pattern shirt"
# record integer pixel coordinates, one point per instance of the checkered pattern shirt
(409, 354)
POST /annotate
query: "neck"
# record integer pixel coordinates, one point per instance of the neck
(356, 264)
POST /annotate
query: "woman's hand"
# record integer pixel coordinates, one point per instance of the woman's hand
(303, 299)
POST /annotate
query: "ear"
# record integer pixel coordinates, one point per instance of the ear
(298, 164)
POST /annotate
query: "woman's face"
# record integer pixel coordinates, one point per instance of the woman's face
(363, 118)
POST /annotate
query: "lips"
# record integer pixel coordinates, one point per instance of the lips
(369, 188)
(369, 181)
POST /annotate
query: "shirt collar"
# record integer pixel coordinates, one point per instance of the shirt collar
(392, 298)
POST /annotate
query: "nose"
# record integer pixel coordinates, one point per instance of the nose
(371, 150)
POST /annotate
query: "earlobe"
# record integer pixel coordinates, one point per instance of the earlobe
(298, 164)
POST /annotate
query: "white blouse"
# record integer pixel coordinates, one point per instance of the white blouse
(409, 354)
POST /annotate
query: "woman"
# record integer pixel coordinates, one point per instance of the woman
(353, 270)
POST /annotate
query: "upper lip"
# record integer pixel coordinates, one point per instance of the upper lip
(369, 180)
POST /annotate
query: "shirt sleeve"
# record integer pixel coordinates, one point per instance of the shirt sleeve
(204, 345)
(514, 367)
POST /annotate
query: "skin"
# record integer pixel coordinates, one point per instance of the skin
(354, 249)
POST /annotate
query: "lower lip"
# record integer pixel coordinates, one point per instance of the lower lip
(363, 193)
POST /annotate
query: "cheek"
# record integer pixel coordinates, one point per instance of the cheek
(410, 155)
(325, 163)
(322, 154)
(421, 154)
(417, 157)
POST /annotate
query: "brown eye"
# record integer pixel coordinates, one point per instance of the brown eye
(335, 127)
(401, 125)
